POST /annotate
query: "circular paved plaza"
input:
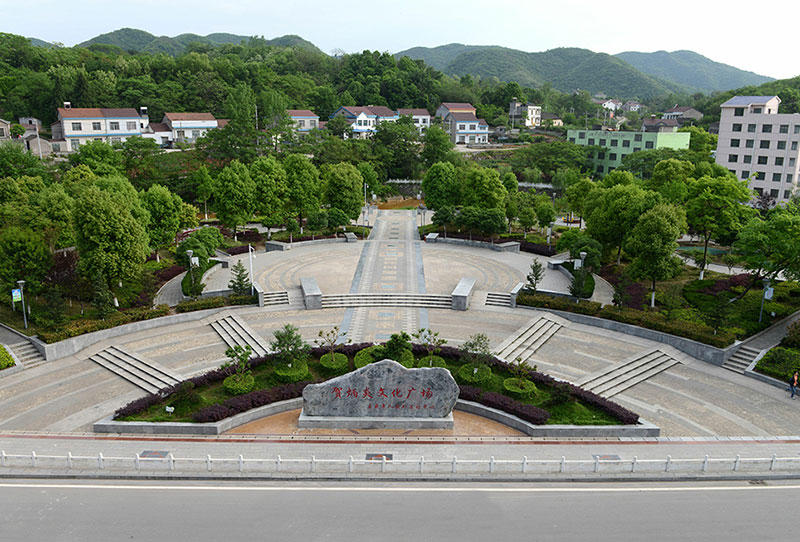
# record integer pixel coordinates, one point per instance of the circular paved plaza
(688, 398)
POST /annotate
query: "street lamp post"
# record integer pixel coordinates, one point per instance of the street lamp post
(21, 284)
(763, 297)
(250, 251)
(549, 233)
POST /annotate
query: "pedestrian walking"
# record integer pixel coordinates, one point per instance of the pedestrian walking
(793, 384)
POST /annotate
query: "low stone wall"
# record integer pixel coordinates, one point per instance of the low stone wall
(642, 429)
(509, 246)
(272, 246)
(312, 295)
(703, 352)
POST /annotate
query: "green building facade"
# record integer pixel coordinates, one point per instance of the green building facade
(616, 145)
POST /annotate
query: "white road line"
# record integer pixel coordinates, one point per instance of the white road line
(411, 489)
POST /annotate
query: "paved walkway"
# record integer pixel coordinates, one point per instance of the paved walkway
(171, 293)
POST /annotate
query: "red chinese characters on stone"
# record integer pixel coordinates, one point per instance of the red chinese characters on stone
(367, 394)
(382, 393)
(351, 393)
(397, 392)
(426, 393)
(337, 392)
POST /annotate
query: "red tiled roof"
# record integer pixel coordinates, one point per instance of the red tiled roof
(97, 112)
(681, 109)
(458, 105)
(377, 110)
(159, 127)
(656, 122)
(301, 113)
(189, 116)
(413, 112)
(464, 117)
(222, 123)
(483, 122)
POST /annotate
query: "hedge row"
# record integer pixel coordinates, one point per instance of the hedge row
(524, 246)
(650, 320)
(79, 327)
(215, 302)
(5, 358)
(243, 403)
(779, 363)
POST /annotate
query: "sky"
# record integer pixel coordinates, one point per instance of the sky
(749, 35)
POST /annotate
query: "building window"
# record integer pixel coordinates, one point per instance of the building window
(797, 129)
(751, 128)
(737, 127)
(626, 143)
(601, 156)
(591, 141)
(766, 129)
(602, 142)
(787, 194)
(734, 142)
(750, 143)
(745, 174)
(114, 125)
(781, 145)
(648, 144)
(779, 160)
(614, 142)
(612, 156)
(763, 144)
(76, 127)
(794, 145)
(2, 132)
(789, 177)
(637, 149)
(760, 175)
(637, 137)
(776, 177)
(195, 134)
(56, 147)
(738, 112)
(462, 126)
(472, 126)
(600, 169)
(572, 140)
(74, 144)
(747, 159)
(759, 191)
(301, 124)
(116, 140)
(773, 193)
(762, 160)
(312, 123)
(98, 139)
(784, 129)
(130, 126)
(756, 110)
(733, 158)
(96, 126)
(791, 162)
(581, 135)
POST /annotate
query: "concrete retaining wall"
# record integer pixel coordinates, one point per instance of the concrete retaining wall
(704, 352)
(509, 246)
(643, 429)
(272, 246)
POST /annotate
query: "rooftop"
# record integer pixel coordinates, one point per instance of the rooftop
(97, 112)
(458, 105)
(413, 112)
(301, 113)
(189, 116)
(743, 101)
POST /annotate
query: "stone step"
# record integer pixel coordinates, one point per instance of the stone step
(595, 379)
(236, 332)
(633, 375)
(138, 370)
(641, 377)
(528, 338)
(498, 299)
(386, 300)
(27, 354)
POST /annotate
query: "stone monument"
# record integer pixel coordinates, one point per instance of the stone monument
(382, 395)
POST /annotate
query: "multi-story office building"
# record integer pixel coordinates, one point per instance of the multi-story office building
(617, 145)
(759, 144)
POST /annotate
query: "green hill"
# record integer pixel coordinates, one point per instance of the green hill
(131, 39)
(691, 69)
(36, 42)
(567, 69)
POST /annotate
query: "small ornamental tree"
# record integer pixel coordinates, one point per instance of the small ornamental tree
(329, 339)
(431, 341)
(289, 345)
(240, 379)
(240, 283)
(536, 275)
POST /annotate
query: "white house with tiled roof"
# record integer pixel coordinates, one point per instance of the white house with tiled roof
(189, 127)
(454, 107)
(420, 117)
(5, 130)
(365, 119)
(303, 120)
(80, 125)
(466, 128)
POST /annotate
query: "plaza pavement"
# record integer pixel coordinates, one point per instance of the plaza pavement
(691, 399)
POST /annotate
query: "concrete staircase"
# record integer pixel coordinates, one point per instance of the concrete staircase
(235, 332)
(741, 359)
(276, 298)
(136, 369)
(387, 300)
(498, 299)
(528, 339)
(27, 354)
(621, 376)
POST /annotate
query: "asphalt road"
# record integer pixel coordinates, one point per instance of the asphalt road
(98, 511)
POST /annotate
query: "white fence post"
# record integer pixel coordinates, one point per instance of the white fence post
(491, 463)
(669, 462)
(705, 464)
(772, 463)
(421, 463)
(383, 463)
(278, 464)
(736, 463)
(350, 464)
(524, 463)
(171, 461)
(633, 464)
(208, 462)
(69, 460)
(100, 460)
(33, 459)
(596, 462)
(455, 462)
(563, 463)
(136, 461)
(3, 459)
(241, 463)
(313, 464)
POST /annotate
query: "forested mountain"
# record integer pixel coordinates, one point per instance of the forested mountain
(131, 39)
(691, 69)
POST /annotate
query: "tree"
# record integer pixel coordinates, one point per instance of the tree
(564, 178)
(545, 212)
(370, 176)
(769, 246)
(240, 283)
(339, 126)
(576, 194)
(330, 339)
(436, 146)
(430, 341)
(23, 256)
(483, 189)
(653, 242)
(444, 216)
(343, 186)
(714, 205)
(396, 146)
(440, 186)
(235, 195)
(509, 180)
(205, 186)
(671, 179)
(476, 348)
(302, 180)
(270, 187)
(165, 215)
(103, 299)
(139, 160)
(111, 243)
(51, 214)
(100, 157)
(535, 275)
(288, 345)
(15, 162)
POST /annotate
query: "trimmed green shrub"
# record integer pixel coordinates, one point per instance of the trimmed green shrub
(239, 384)
(558, 303)
(215, 302)
(407, 359)
(475, 374)
(367, 355)
(435, 361)
(336, 365)
(779, 363)
(295, 371)
(5, 359)
(520, 388)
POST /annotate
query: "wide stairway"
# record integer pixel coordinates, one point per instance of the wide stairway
(368, 299)
(741, 359)
(136, 369)
(27, 354)
(528, 339)
(235, 332)
(276, 298)
(621, 376)
(498, 299)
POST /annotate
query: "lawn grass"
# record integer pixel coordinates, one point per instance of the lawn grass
(570, 413)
